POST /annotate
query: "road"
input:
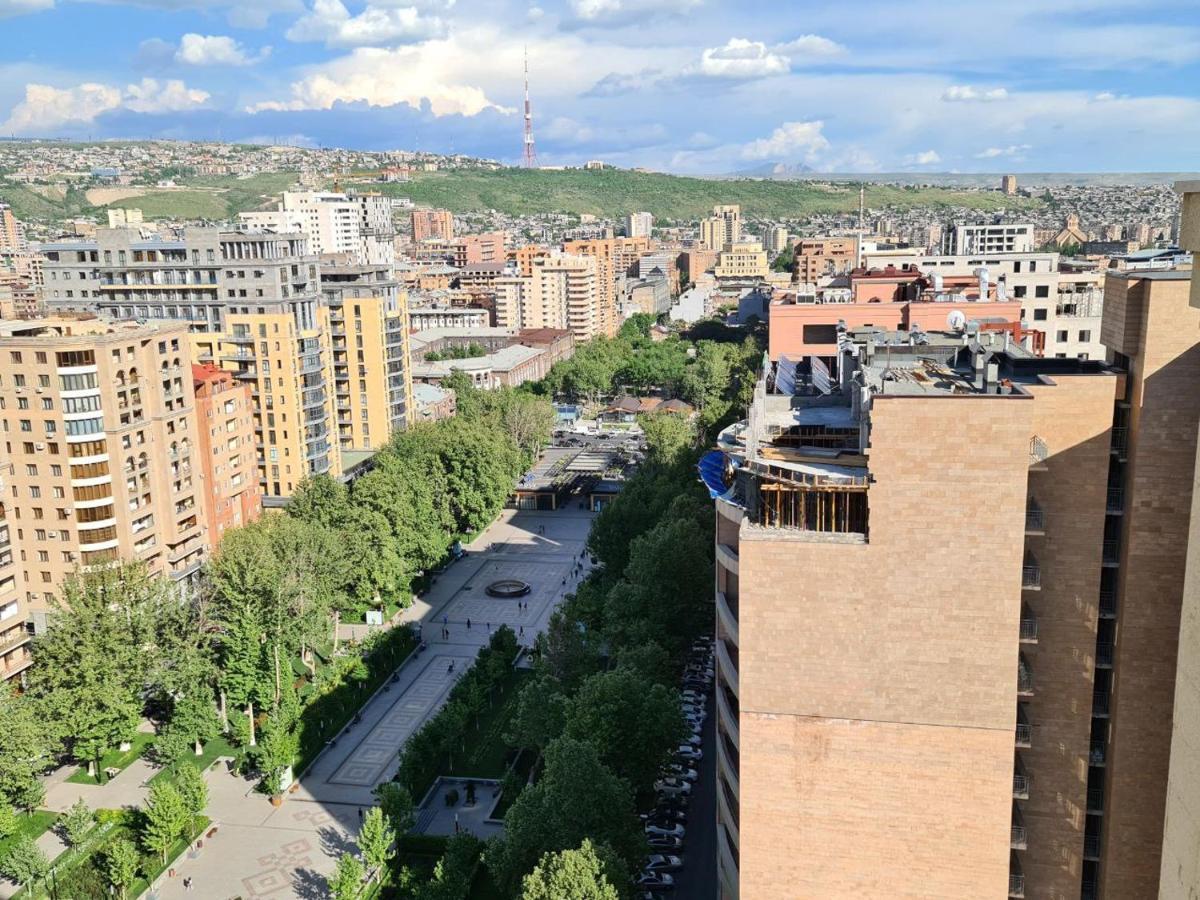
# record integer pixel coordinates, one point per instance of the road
(697, 880)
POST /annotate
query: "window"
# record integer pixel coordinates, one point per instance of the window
(1085, 336)
(1039, 315)
(1042, 290)
(1063, 336)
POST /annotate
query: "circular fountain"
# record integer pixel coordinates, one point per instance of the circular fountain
(508, 588)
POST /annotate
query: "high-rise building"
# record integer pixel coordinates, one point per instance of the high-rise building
(563, 292)
(614, 257)
(12, 236)
(367, 315)
(776, 239)
(1025, 749)
(432, 224)
(103, 444)
(638, 224)
(15, 636)
(227, 458)
(723, 227)
(1008, 184)
(359, 225)
(250, 303)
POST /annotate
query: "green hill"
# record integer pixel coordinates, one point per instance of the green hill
(614, 192)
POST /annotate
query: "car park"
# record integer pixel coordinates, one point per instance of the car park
(675, 830)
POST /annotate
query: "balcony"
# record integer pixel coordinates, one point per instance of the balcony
(1114, 504)
(727, 662)
(1024, 731)
(727, 763)
(1019, 839)
(1035, 518)
(1024, 677)
(727, 615)
(1021, 780)
(1016, 877)
(1091, 846)
(1120, 440)
(1111, 553)
(1095, 800)
(1031, 574)
(727, 714)
(1108, 604)
(1029, 625)
(1097, 753)
(1104, 656)
(727, 863)
(727, 556)
(20, 637)
(1100, 704)
(1038, 453)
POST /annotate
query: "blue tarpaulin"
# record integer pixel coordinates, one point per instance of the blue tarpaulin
(712, 472)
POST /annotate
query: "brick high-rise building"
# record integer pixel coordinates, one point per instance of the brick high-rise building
(100, 429)
(12, 236)
(228, 460)
(948, 613)
(436, 224)
(15, 635)
(614, 257)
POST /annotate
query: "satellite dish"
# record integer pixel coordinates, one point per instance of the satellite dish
(957, 320)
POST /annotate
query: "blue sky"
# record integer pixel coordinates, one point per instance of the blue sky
(693, 86)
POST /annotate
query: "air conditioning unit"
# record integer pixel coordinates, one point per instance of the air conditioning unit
(52, 535)
(39, 446)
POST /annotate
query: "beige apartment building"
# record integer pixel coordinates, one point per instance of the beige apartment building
(615, 257)
(100, 432)
(250, 303)
(15, 636)
(723, 227)
(817, 258)
(743, 262)
(432, 224)
(1022, 522)
(367, 320)
(562, 292)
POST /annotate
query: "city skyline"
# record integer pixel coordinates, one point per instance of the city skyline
(684, 86)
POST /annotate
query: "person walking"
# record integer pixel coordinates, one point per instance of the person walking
(468, 624)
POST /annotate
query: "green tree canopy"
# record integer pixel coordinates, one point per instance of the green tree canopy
(572, 875)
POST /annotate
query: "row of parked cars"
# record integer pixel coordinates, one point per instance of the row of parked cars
(665, 824)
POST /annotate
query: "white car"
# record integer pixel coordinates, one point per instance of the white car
(671, 787)
(675, 770)
(662, 862)
(689, 753)
(675, 831)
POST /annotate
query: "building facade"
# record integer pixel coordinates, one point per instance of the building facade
(432, 224)
(226, 457)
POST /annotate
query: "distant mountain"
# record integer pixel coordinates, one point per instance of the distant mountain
(774, 170)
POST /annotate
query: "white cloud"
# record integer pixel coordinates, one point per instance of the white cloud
(1013, 150)
(214, 50)
(924, 158)
(377, 25)
(22, 7)
(381, 77)
(46, 109)
(740, 58)
(810, 46)
(965, 93)
(616, 83)
(625, 12)
(789, 140)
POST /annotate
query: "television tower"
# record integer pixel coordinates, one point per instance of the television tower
(530, 157)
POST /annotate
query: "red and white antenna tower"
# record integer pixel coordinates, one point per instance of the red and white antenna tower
(530, 157)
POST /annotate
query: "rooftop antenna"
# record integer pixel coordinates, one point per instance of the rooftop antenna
(530, 155)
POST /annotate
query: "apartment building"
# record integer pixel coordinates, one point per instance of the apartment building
(961, 239)
(776, 239)
(435, 224)
(70, 275)
(823, 258)
(250, 303)
(368, 325)
(15, 635)
(741, 263)
(227, 458)
(12, 236)
(563, 292)
(614, 257)
(638, 224)
(422, 317)
(356, 224)
(1065, 306)
(1030, 756)
(489, 248)
(723, 227)
(101, 434)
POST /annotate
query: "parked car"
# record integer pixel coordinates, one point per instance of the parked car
(693, 739)
(660, 880)
(675, 830)
(664, 815)
(694, 709)
(675, 770)
(670, 786)
(661, 862)
(689, 753)
(662, 842)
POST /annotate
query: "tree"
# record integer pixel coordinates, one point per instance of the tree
(25, 863)
(320, 500)
(164, 819)
(633, 723)
(244, 675)
(120, 863)
(347, 879)
(570, 875)
(193, 790)
(24, 743)
(455, 871)
(397, 805)
(373, 565)
(8, 821)
(96, 656)
(375, 839)
(193, 723)
(278, 749)
(576, 797)
(76, 822)
(540, 716)
(669, 436)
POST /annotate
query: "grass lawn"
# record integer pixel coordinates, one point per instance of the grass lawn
(30, 826)
(488, 754)
(115, 759)
(218, 746)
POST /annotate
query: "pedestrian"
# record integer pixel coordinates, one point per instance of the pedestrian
(360, 815)
(489, 627)
(468, 624)
(521, 633)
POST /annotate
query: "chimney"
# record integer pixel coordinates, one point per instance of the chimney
(992, 377)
